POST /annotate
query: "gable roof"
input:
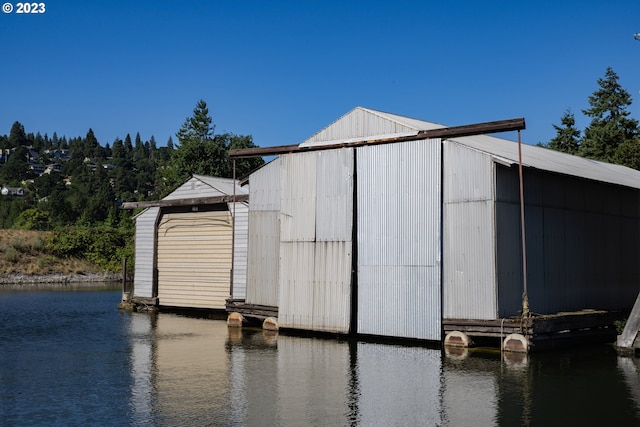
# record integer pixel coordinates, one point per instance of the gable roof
(199, 186)
(363, 123)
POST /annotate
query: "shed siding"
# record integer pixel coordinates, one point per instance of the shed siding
(145, 247)
(263, 268)
(358, 124)
(399, 240)
(241, 224)
(469, 290)
(194, 259)
(581, 239)
(264, 255)
(298, 200)
(334, 201)
(315, 249)
(193, 188)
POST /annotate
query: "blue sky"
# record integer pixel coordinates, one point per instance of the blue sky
(283, 70)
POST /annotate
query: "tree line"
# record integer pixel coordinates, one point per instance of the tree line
(74, 187)
(91, 180)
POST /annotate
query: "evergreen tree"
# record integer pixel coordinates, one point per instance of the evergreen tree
(118, 149)
(199, 152)
(198, 127)
(55, 142)
(38, 142)
(567, 137)
(17, 168)
(128, 146)
(153, 147)
(17, 136)
(610, 128)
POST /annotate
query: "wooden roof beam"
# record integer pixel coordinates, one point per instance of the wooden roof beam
(196, 201)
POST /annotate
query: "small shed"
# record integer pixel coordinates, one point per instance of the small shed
(373, 227)
(191, 246)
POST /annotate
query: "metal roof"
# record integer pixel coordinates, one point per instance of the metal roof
(363, 123)
(213, 186)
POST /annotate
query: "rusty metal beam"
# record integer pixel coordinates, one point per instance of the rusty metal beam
(196, 201)
(445, 133)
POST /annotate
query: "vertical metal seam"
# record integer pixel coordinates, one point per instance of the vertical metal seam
(354, 248)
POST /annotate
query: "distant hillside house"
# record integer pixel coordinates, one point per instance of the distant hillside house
(54, 167)
(13, 191)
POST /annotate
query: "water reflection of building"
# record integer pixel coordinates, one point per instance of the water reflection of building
(328, 382)
(179, 369)
(198, 372)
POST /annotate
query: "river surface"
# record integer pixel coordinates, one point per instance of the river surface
(70, 358)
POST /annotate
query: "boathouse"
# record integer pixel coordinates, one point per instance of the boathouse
(375, 226)
(191, 246)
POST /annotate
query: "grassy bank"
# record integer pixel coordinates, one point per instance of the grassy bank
(26, 252)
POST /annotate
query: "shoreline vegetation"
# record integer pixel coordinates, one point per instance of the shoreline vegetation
(26, 260)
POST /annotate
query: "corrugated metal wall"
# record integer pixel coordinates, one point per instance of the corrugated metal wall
(399, 246)
(145, 253)
(315, 249)
(582, 243)
(469, 290)
(358, 123)
(264, 236)
(194, 259)
(240, 248)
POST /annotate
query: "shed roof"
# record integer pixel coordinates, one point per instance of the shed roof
(206, 186)
(363, 123)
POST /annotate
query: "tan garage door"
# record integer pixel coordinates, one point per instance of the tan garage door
(194, 259)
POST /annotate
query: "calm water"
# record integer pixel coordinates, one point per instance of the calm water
(71, 358)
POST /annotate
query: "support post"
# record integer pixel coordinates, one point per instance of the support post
(628, 336)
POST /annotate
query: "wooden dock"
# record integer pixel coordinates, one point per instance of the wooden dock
(255, 312)
(543, 331)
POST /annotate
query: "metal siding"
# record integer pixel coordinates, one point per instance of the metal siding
(363, 122)
(469, 283)
(145, 253)
(263, 258)
(543, 159)
(316, 275)
(315, 286)
(334, 202)
(240, 251)
(581, 246)
(332, 287)
(298, 198)
(508, 259)
(264, 235)
(296, 285)
(194, 259)
(264, 193)
(399, 240)
(205, 186)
